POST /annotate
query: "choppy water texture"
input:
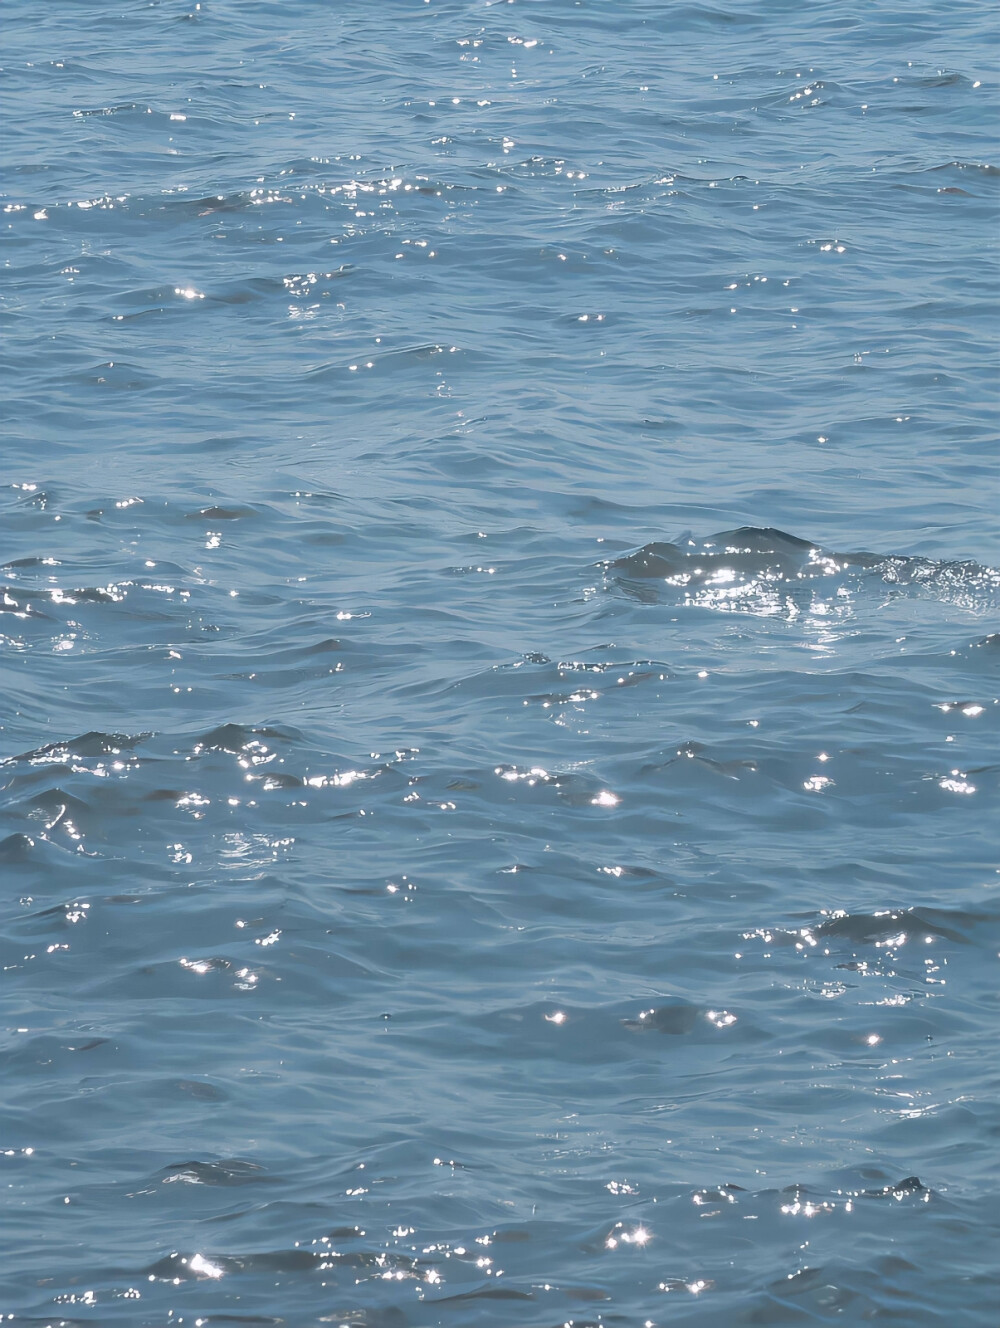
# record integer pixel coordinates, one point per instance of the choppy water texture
(499, 651)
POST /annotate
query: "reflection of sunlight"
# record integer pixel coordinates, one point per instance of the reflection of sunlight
(532, 776)
(720, 1018)
(956, 782)
(204, 1267)
(638, 1236)
(605, 799)
(201, 966)
(694, 1288)
(806, 1209)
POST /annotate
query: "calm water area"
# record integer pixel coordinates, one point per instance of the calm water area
(499, 657)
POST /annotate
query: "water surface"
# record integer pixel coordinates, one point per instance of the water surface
(498, 747)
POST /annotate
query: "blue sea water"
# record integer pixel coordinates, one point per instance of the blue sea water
(499, 706)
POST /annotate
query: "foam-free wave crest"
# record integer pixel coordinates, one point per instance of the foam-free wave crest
(772, 574)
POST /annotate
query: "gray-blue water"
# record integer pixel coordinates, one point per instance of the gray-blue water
(499, 672)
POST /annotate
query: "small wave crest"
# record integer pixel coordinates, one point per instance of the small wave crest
(766, 572)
